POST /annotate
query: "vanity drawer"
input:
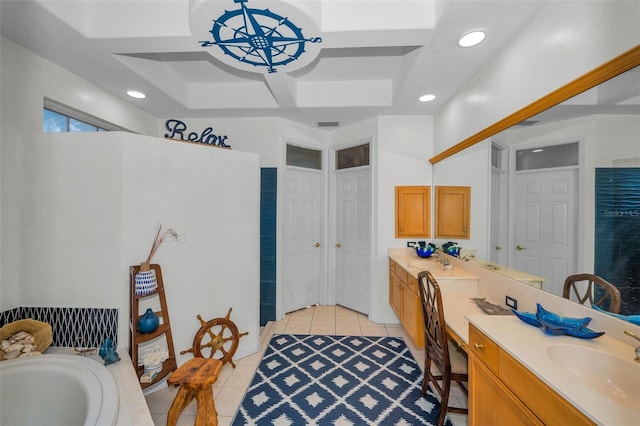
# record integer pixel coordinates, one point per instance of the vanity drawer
(412, 283)
(401, 273)
(484, 348)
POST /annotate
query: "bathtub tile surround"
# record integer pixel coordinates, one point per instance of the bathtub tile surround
(83, 327)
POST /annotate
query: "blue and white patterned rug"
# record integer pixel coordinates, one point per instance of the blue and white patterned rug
(337, 380)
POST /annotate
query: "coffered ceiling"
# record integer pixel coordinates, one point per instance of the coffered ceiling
(310, 61)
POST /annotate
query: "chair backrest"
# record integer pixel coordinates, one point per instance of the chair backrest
(598, 291)
(435, 330)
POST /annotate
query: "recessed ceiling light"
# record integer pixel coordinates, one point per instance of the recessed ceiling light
(427, 97)
(136, 94)
(471, 38)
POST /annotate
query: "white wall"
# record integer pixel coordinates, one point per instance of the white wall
(25, 80)
(91, 205)
(566, 40)
(470, 168)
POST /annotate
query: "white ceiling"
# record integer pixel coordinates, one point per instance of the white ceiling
(376, 56)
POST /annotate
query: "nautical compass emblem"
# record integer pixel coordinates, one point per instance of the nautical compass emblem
(258, 37)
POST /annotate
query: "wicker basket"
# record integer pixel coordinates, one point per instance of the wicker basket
(41, 331)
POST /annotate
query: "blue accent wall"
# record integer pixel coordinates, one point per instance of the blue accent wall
(617, 233)
(268, 210)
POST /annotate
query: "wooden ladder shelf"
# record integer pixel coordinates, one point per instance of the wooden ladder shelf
(136, 338)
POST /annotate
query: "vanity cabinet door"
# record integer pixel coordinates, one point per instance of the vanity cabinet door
(395, 289)
(453, 212)
(491, 402)
(413, 212)
(411, 312)
(405, 302)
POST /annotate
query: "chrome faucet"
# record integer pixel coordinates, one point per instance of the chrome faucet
(468, 257)
(635, 336)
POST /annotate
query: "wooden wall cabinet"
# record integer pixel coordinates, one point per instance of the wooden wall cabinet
(453, 212)
(503, 391)
(413, 211)
(405, 302)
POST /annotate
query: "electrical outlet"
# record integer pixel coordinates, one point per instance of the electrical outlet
(411, 243)
(511, 302)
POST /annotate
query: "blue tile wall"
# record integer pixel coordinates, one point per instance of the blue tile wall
(617, 232)
(268, 210)
(81, 327)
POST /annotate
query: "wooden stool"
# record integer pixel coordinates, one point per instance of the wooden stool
(195, 378)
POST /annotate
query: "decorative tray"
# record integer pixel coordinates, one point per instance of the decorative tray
(553, 324)
(490, 308)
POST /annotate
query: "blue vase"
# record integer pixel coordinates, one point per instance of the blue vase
(148, 323)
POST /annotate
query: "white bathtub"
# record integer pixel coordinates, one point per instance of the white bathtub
(65, 390)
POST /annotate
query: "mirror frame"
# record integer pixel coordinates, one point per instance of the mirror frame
(618, 65)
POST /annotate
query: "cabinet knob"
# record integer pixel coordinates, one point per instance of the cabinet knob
(317, 244)
(478, 346)
(338, 245)
(498, 248)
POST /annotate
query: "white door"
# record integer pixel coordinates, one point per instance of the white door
(499, 214)
(545, 213)
(302, 238)
(353, 238)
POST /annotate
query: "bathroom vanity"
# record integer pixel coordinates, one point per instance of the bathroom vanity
(516, 396)
(518, 375)
(404, 267)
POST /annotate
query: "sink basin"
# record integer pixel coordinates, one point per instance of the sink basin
(613, 377)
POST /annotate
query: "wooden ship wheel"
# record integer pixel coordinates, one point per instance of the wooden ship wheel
(217, 335)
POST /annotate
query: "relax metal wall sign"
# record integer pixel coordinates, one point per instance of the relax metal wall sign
(178, 131)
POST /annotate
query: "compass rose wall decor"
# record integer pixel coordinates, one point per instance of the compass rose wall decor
(278, 38)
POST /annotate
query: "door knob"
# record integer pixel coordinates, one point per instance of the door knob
(498, 247)
(338, 245)
(519, 247)
(317, 244)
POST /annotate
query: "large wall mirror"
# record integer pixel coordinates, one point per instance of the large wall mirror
(561, 179)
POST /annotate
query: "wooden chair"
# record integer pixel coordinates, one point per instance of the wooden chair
(439, 351)
(598, 292)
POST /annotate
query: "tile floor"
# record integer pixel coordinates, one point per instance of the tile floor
(232, 383)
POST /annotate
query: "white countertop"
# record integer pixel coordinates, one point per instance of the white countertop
(508, 272)
(414, 264)
(456, 308)
(529, 344)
